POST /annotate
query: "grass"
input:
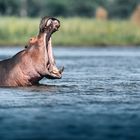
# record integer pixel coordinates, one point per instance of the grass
(73, 31)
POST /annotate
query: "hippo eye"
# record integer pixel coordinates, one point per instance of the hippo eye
(49, 22)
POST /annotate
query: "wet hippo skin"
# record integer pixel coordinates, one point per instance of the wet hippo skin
(35, 62)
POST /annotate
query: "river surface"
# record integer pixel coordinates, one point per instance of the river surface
(98, 98)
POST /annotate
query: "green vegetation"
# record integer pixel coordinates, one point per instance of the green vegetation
(73, 31)
(67, 8)
(17, 31)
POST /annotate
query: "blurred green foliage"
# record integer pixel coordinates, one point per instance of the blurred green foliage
(67, 8)
(73, 31)
(79, 28)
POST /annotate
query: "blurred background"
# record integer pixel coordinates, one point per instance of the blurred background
(83, 22)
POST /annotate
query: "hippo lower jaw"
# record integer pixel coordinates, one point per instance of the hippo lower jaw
(53, 71)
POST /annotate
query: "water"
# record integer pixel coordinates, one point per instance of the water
(97, 98)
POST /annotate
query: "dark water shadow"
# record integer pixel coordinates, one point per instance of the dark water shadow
(40, 88)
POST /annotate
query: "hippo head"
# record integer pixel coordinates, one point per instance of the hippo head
(49, 25)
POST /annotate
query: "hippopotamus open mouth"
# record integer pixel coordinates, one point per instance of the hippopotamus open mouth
(49, 26)
(37, 61)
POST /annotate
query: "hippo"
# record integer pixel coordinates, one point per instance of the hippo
(35, 61)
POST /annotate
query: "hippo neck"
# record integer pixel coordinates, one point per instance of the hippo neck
(42, 54)
(39, 59)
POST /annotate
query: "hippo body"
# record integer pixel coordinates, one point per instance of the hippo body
(23, 69)
(33, 63)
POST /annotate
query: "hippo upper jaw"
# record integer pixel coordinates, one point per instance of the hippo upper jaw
(49, 25)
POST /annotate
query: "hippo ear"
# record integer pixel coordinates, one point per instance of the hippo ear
(49, 22)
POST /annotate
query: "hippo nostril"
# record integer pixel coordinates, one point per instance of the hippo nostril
(57, 26)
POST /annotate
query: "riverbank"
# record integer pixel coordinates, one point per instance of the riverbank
(73, 31)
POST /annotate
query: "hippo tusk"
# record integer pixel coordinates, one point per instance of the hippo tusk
(55, 70)
(61, 70)
(49, 22)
